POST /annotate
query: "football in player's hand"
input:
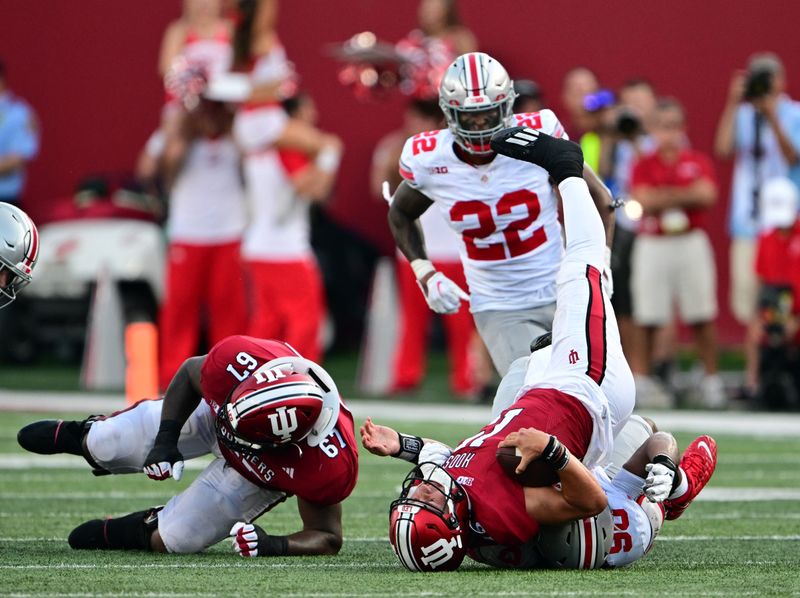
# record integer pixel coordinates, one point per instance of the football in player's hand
(538, 473)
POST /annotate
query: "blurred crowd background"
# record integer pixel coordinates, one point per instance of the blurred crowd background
(685, 109)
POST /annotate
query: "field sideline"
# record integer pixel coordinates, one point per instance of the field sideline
(741, 538)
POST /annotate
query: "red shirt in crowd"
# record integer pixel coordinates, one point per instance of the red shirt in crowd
(653, 171)
(778, 260)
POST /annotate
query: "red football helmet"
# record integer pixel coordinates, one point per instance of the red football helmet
(285, 401)
(428, 524)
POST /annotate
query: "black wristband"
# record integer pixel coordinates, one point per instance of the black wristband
(410, 447)
(667, 462)
(272, 545)
(168, 433)
(556, 454)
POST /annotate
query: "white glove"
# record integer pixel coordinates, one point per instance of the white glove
(163, 470)
(607, 279)
(434, 452)
(245, 539)
(443, 295)
(658, 484)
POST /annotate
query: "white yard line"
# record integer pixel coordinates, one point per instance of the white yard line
(710, 422)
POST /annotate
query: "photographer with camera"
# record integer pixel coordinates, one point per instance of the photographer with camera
(760, 126)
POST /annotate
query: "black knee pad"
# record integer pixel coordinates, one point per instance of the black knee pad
(131, 532)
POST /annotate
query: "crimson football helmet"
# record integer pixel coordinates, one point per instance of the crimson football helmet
(19, 250)
(283, 402)
(476, 84)
(429, 523)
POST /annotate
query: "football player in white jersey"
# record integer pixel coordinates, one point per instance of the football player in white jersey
(504, 210)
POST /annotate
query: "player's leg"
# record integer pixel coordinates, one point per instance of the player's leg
(508, 334)
(120, 442)
(204, 513)
(585, 332)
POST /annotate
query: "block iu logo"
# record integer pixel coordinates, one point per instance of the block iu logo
(440, 552)
(283, 422)
(573, 357)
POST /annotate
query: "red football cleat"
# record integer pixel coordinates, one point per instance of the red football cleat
(698, 462)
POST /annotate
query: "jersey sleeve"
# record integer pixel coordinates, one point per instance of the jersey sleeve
(233, 359)
(409, 166)
(545, 121)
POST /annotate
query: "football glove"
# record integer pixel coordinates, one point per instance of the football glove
(434, 452)
(165, 460)
(658, 484)
(250, 540)
(607, 279)
(442, 294)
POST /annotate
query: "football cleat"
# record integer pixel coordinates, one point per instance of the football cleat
(54, 436)
(698, 464)
(559, 157)
(131, 532)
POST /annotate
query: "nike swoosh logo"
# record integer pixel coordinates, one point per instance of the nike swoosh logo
(704, 445)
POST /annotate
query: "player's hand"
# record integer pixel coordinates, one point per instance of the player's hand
(163, 461)
(442, 294)
(379, 440)
(530, 443)
(246, 537)
(658, 484)
(434, 452)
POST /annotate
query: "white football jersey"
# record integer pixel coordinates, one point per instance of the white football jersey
(633, 531)
(505, 212)
(206, 204)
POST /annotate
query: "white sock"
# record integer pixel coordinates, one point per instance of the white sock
(586, 237)
(682, 488)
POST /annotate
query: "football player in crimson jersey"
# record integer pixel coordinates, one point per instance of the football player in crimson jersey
(277, 427)
(644, 483)
(505, 211)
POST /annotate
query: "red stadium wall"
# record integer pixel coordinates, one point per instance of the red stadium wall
(89, 69)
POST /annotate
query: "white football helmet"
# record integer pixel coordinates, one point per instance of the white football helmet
(476, 86)
(19, 250)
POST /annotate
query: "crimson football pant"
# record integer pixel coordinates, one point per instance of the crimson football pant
(199, 277)
(288, 304)
(415, 316)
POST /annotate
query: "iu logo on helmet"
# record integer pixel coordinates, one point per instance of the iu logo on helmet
(440, 552)
(283, 422)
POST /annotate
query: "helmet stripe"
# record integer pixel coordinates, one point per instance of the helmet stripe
(33, 251)
(588, 545)
(474, 75)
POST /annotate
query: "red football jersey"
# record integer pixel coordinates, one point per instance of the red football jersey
(325, 474)
(497, 501)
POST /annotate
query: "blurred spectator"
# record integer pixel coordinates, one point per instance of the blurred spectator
(760, 125)
(287, 291)
(19, 141)
(201, 36)
(629, 141)
(529, 96)
(442, 245)
(204, 281)
(578, 83)
(672, 257)
(600, 114)
(773, 342)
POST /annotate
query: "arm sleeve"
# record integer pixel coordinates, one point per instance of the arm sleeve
(408, 166)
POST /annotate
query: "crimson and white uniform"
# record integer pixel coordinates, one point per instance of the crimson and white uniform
(288, 294)
(234, 487)
(497, 501)
(206, 220)
(506, 215)
(441, 244)
(259, 124)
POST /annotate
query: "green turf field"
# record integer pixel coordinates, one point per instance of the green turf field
(731, 548)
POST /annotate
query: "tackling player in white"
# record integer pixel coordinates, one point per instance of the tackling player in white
(504, 210)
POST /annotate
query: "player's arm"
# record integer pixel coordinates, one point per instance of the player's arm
(315, 181)
(321, 534)
(180, 400)
(655, 461)
(580, 496)
(388, 442)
